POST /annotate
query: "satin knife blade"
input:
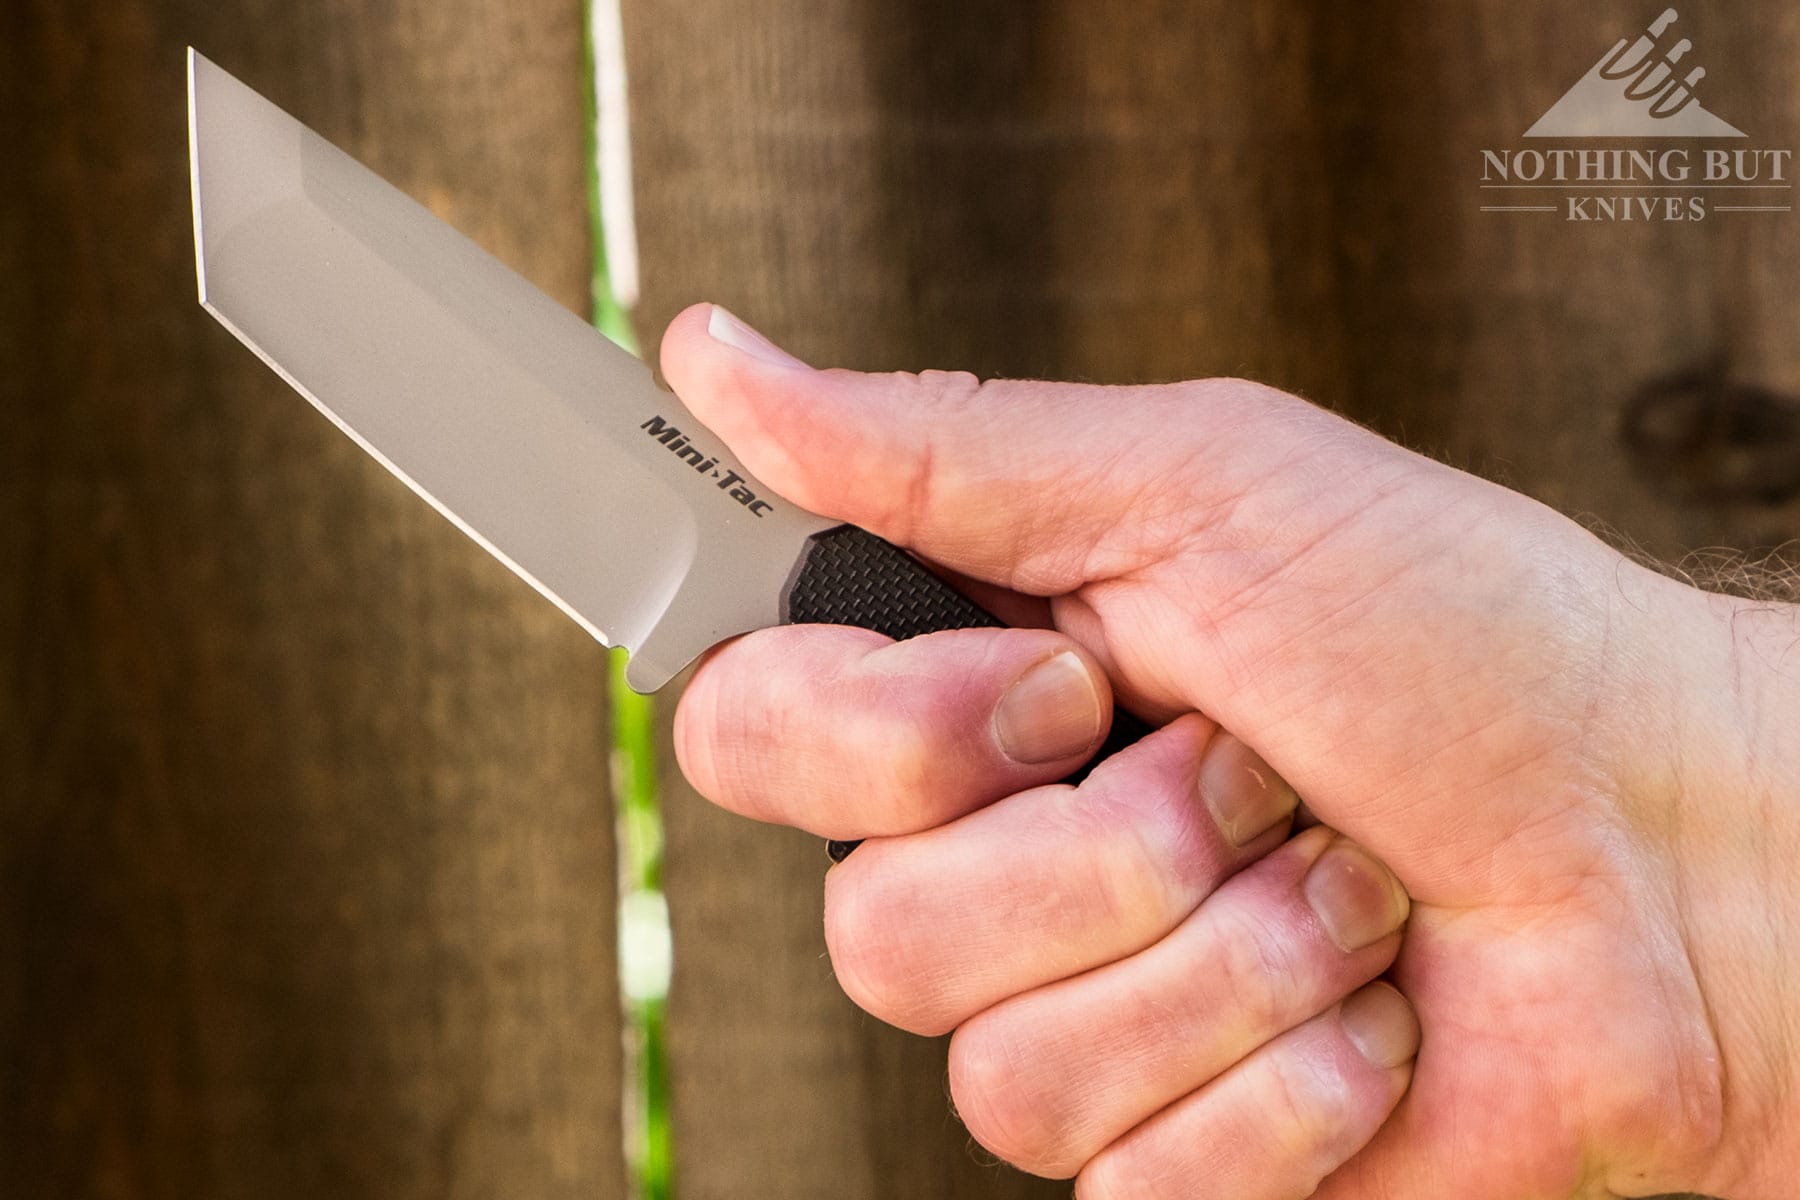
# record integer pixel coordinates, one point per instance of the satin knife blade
(549, 445)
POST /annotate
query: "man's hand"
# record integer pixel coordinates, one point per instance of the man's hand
(1574, 767)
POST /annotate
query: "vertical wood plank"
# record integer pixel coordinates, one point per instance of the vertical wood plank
(1157, 191)
(306, 864)
(1526, 346)
(1070, 190)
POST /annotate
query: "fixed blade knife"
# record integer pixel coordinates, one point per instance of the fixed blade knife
(549, 445)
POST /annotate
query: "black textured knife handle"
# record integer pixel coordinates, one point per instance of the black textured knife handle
(849, 576)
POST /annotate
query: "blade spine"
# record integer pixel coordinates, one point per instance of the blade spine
(413, 485)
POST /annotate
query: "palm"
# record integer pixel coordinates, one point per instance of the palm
(1551, 1046)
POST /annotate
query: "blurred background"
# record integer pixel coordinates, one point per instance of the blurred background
(318, 830)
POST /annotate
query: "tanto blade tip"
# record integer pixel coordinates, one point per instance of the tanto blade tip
(218, 105)
(512, 416)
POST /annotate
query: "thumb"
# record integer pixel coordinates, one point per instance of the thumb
(1020, 483)
(1435, 662)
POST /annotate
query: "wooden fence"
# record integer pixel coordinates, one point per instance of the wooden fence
(306, 861)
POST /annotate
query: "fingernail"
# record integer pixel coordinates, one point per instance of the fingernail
(1052, 712)
(1245, 797)
(1357, 899)
(1381, 1025)
(734, 333)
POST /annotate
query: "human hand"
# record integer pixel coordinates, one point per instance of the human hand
(1578, 770)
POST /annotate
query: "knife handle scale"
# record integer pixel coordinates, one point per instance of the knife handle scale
(848, 576)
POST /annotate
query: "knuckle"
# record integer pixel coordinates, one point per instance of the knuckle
(1117, 1173)
(1128, 888)
(866, 937)
(1260, 970)
(1255, 389)
(951, 389)
(1304, 1103)
(915, 489)
(856, 939)
(693, 735)
(913, 757)
(1165, 850)
(900, 759)
(1254, 394)
(993, 1098)
(728, 750)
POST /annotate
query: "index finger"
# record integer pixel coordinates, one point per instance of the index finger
(849, 735)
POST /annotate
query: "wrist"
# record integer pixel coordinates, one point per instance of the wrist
(1735, 840)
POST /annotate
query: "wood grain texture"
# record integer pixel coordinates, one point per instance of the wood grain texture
(1157, 191)
(306, 865)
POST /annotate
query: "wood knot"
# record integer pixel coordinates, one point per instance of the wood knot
(1699, 435)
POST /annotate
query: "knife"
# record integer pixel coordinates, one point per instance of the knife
(537, 436)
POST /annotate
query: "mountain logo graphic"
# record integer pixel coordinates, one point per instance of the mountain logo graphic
(1637, 90)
